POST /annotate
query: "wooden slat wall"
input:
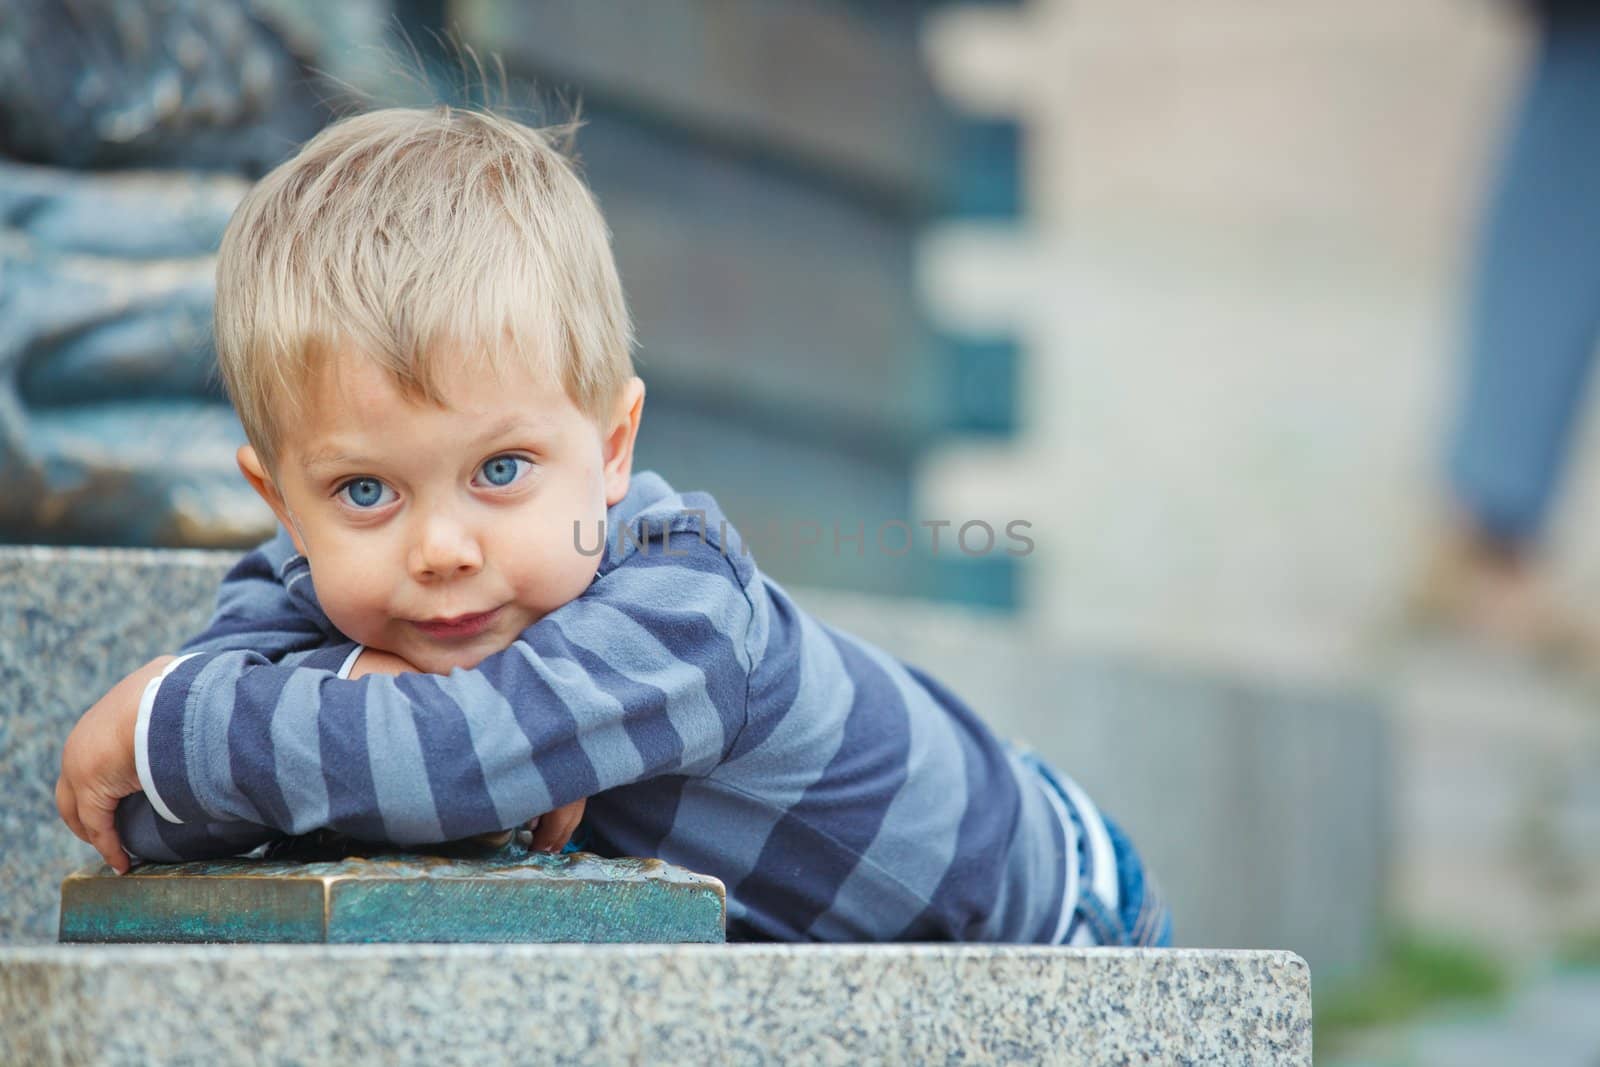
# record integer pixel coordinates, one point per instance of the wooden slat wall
(833, 87)
(766, 167)
(759, 289)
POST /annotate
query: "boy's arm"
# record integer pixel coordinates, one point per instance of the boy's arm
(148, 836)
(258, 609)
(145, 834)
(265, 604)
(645, 674)
(96, 773)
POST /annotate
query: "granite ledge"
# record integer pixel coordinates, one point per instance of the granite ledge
(659, 1003)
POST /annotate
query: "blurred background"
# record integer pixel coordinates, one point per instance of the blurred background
(1271, 321)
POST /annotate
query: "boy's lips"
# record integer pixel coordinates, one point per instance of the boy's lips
(459, 626)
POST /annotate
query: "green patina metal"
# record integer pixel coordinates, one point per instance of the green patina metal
(509, 894)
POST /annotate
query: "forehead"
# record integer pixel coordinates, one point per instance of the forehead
(349, 398)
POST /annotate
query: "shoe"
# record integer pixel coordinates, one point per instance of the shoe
(1476, 587)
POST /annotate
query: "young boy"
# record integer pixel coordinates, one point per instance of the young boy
(476, 613)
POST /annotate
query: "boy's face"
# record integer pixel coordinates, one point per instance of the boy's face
(441, 533)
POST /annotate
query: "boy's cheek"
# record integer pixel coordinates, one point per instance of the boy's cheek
(363, 624)
(353, 591)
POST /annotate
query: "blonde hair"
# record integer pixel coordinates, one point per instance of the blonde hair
(429, 240)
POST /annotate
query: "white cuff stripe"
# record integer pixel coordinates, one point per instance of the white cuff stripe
(350, 661)
(1105, 858)
(141, 741)
(1069, 892)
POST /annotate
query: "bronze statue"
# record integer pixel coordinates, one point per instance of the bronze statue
(128, 131)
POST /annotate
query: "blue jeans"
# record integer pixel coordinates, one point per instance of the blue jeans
(1534, 315)
(1142, 917)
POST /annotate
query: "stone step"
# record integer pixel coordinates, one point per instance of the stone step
(691, 1004)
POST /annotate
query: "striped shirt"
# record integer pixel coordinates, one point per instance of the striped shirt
(838, 793)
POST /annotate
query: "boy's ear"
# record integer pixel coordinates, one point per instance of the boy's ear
(618, 443)
(255, 472)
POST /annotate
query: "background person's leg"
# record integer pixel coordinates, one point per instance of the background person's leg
(1536, 295)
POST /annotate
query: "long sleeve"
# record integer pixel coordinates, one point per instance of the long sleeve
(148, 836)
(645, 674)
(265, 604)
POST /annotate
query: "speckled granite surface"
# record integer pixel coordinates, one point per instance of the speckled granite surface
(73, 622)
(471, 1004)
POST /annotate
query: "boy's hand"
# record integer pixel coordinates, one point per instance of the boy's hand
(97, 764)
(551, 831)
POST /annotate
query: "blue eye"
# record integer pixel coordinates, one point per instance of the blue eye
(503, 470)
(366, 493)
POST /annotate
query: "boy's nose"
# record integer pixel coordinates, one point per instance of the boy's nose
(444, 548)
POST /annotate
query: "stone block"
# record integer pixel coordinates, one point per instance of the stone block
(511, 895)
(655, 1004)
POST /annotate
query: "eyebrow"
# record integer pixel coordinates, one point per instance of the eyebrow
(330, 456)
(510, 424)
(333, 456)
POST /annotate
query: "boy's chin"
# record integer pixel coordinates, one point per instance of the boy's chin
(443, 661)
(442, 657)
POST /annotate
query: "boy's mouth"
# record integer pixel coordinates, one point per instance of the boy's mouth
(459, 626)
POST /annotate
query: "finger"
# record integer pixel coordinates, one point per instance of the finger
(548, 838)
(99, 824)
(66, 805)
(555, 830)
(551, 834)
